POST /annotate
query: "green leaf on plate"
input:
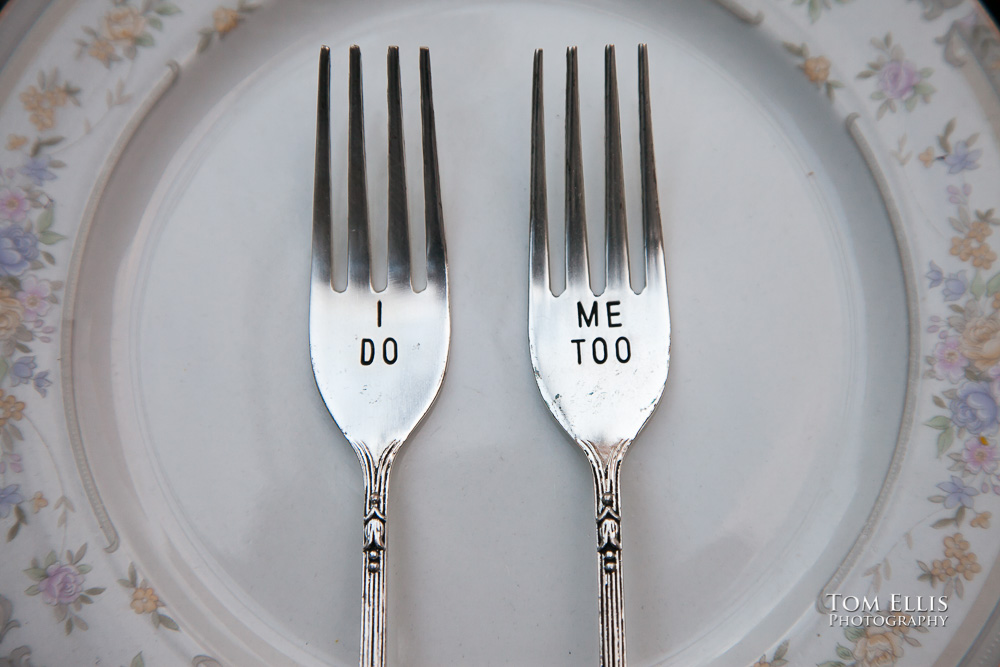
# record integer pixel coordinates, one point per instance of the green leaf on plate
(940, 422)
(49, 237)
(978, 286)
(44, 220)
(853, 634)
(993, 286)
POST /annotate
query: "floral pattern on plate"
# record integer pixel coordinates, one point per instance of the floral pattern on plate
(958, 440)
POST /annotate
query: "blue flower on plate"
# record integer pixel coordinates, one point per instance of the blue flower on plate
(18, 248)
(975, 409)
(962, 159)
(958, 493)
(954, 286)
(935, 275)
(9, 496)
(42, 383)
(37, 169)
(22, 370)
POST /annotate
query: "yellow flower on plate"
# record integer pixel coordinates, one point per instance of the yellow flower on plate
(225, 20)
(15, 141)
(123, 24)
(927, 157)
(33, 99)
(979, 230)
(102, 50)
(983, 256)
(10, 408)
(145, 600)
(38, 501)
(961, 247)
(980, 342)
(880, 647)
(955, 545)
(968, 566)
(981, 520)
(11, 315)
(817, 69)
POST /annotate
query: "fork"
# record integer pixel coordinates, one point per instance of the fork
(600, 361)
(378, 357)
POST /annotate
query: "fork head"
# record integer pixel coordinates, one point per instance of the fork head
(378, 357)
(600, 360)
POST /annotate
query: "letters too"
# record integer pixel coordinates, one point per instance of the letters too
(599, 348)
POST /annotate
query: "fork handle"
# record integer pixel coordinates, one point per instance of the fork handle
(607, 485)
(373, 590)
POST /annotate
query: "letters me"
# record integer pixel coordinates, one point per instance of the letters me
(599, 346)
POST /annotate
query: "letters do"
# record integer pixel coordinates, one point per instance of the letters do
(390, 349)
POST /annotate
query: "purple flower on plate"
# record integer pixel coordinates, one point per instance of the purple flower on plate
(935, 275)
(958, 493)
(22, 371)
(980, 456)
(897, 78)
(42, 383)
(954, 286)
(962, 159)
(37, 169)
(958, 195)
(949, 360)
(975, 409)
(62, 584)
(9, 496)
(18, 248)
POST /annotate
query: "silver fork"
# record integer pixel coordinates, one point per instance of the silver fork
(378, 357)
(600, 361)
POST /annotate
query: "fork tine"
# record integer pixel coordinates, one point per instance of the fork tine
(437, 264)
(539, 231)
(359, 272)
(398, 229)
(322, 213)
(577, 269)
(616, 246)
(652, 233)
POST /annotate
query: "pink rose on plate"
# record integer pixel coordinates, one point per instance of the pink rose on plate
(13, 204)
(62, 584)
(980, 456)
(948, 358)
(897, 79)
(34, 296)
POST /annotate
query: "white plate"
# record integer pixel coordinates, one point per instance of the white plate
(791, 457)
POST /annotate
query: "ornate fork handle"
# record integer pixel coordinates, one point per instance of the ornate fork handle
(608, 503)
(376, 475)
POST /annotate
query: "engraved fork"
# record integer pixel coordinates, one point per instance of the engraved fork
(378, 357)
(600, 360)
